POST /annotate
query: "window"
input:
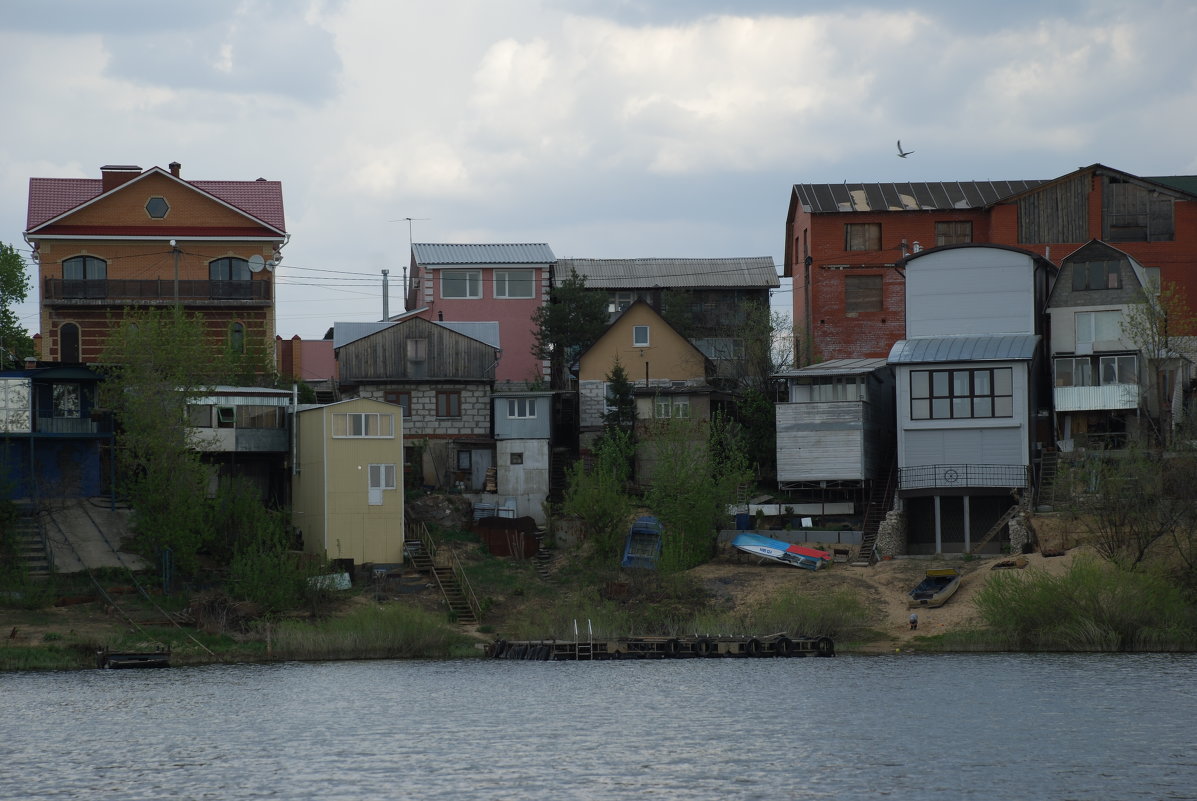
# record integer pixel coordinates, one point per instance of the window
(961, 394)
(521, 408)
(199, 415)
(1118, 370)
(640, 336)
(619, 301)
(959, 232)
(1102, 326)
(84, 268)
(1096, 275)
(400, 399)
(226, 416)
(252, 415)
(862, 236)
(68, 343)
(465, 284)
(448, 404)
(863, 293)
(157, 207)
(381, 478)
(671, 408)
(228, 269)
(465, 460)
(363, 424)
(237, 338)
(417, 350)
(517, 458)
(826, 389)
(66, 401)
(514, 283)
(1072, 372)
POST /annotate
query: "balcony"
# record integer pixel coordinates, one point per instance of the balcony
(1091, 399)
(960, 476)
(117, 291)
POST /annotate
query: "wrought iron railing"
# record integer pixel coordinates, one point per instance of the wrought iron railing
(156, 289)
(953, 476)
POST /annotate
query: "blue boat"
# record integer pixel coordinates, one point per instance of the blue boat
(781, 551)
(642, 548)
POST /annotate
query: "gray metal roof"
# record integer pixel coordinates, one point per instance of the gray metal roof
(344, 333)
(836, 367)
(996, 347)
(929, 196)
(751, 272)
(483, 332)
(449, 254)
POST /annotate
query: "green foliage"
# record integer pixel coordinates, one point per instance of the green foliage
(621, 413)
(1092, 607)
(697, 470)
(572, 320)
(836, 615)
(598, 496)
(15, 342)
(394, 631)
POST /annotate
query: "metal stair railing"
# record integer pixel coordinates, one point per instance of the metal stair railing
(424, 538)
(583, 650)
(876, 511)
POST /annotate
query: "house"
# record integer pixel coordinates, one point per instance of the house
(845, 242)
(54, 440)
(347, 499)
(706, 300)
(243, 433)
(311, 361)
(524, 452)
(500, 284)
(971, 391)
(138, 239)
(440, 375)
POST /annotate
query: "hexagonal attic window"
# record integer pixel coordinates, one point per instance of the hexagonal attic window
(157, 207)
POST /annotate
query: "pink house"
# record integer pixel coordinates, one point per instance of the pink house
(500, 283)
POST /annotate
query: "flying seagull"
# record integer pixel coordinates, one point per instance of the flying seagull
(903, 153)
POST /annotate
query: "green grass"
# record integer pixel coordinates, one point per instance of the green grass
(837, 615)
(371, 632)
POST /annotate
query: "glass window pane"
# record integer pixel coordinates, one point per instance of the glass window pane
(1003, 381)
(960, 383)
(920, 410)
(1127, 372)
(919, 384)
(1084, 373)
(1003, 407)
(982, 407)
(1107, 326)
(982, 385)
(939, 384)
(940, 409)
(961, 407)
(1064, 373)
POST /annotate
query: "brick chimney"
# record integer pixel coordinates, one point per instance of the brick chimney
(114, 175)
(174, 168)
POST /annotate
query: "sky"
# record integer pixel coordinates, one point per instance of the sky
(605, 128)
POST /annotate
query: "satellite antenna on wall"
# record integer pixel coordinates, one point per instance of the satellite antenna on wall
(256, 263)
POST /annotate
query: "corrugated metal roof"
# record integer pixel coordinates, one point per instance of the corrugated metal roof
(997, 347)
(1185, 183)
(836, 367)
(929, 196)
(432, 254)
(752, 272)
(483, 332)
(344, 333)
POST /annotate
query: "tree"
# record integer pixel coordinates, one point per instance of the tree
(572, 320)
(598, 495)
(621, 402)
(15, 342)
(1156, 325)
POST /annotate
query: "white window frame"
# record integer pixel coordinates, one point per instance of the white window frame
(503, 284)
(343, 428)
(1086, 325)
(521, 408)
(620, 300)
(382, 476)
(473, 284)
(1103, 361)
(636, 341)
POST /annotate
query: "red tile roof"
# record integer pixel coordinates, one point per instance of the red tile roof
(52, 197)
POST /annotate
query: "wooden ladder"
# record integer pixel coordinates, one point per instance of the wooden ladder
(996, 528)
(881, 499)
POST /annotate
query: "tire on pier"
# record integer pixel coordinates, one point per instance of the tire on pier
(782, 646)
(753, 647)
(671, 648)
(704, 647)
(825, 647)
(498, 649)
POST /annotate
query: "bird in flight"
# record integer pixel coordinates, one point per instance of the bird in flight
(903, 153)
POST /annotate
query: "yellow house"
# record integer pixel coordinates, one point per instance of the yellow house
(348, 481)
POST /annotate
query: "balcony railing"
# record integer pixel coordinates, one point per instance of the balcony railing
(154, 290)
(958, 476)
(73, 425)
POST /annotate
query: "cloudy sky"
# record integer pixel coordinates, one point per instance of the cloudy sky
(606, 128)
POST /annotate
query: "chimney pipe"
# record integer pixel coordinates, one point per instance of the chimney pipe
(174, 168)
(386, 297)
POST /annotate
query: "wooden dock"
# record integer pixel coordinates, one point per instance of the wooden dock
(685, 647)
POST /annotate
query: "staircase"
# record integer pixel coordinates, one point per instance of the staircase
(541, 559)
(446, 572)
(29, 544)
(881, 500)
(996, 528)
(1046, 494)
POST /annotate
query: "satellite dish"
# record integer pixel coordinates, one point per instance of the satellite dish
(256, 263)
(270, 265)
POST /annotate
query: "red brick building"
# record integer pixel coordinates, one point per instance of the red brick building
(843, 241)
(137, 239)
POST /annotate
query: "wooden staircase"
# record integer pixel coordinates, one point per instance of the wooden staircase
(1047, 494)
(31, 548)
(997, 527)
(446, 571)
(881, 500)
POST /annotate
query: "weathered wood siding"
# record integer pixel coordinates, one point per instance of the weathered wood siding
(1057, 213)
(387, 355)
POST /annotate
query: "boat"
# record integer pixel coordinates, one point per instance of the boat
(781, 551)
(936, 588)
(642, 548)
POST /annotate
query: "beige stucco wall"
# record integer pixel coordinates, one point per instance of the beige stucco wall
(331, 492)
(668, 355)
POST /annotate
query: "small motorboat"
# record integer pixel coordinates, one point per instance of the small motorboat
(936, 588)
(781, 551)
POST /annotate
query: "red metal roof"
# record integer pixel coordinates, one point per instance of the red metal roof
(52, 197)
(180, 231)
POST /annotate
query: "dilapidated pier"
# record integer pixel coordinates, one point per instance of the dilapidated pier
(683, 647)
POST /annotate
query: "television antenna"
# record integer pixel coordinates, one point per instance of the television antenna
(410, 220)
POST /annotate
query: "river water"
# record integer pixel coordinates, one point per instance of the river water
(901, 727)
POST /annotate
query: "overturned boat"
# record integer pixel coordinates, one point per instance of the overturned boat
(781, 551)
